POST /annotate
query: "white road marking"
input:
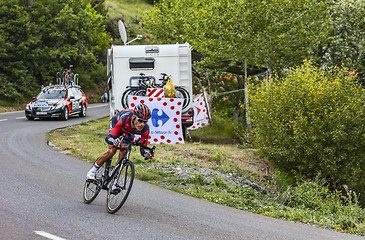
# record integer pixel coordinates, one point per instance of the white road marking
(48, 235)
(4, 119)
(20, 117)
(103, 105)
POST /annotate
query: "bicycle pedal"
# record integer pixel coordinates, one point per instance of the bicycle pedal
(115, 191)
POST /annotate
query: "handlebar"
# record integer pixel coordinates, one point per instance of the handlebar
(137, 142)
(165, 78)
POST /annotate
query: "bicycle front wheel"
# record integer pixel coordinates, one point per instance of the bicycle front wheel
(92, 187)
(120, 187)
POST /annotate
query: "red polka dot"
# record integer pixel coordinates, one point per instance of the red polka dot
(150, 99)
(149, 137)
(159, 99)
(201, 103)
(162, 137)
(142, 101)
(155, 139)
(171, 99)
(175, 119)
(134, 98)
(168, 141)
(162, 143)
(180, 139)
(179, 103)
(177, 112)
(148, 142)
(132, 105)
(177, 126)
(198, 124)
(176, 133)
(165, 103)
(172, 107)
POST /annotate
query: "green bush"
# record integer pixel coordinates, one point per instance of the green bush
(312, 122)
(341, 211)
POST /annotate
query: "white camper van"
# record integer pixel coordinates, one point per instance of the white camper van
(127, 63)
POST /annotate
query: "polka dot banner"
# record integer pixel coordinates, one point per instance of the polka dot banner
(165, 123)
(200, 113)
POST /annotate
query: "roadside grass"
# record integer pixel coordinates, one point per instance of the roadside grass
(203, 170)
(130, 12)
(121, 9)
(10, 107)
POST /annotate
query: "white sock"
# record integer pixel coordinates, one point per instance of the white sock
(94, 168)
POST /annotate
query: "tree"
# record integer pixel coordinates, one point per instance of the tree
(43, 36)
(347, 45)
(276, 34)
(16, 38)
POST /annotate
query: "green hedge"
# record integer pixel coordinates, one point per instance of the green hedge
(313, 122)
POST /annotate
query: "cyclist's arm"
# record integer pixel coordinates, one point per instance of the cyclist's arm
(144, 138)
(112, 137)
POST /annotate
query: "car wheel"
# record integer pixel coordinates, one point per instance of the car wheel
(64, 115)
(82, 111)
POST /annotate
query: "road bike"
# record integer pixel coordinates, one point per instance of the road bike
(145, 82)
(67, 77)
(117, 180)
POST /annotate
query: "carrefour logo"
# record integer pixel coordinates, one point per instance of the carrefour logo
(159, 120)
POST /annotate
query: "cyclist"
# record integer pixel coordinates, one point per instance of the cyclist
(127, 122)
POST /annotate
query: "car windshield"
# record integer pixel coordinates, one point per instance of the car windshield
(53, 94)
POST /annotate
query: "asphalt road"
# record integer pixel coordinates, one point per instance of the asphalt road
(41, 198)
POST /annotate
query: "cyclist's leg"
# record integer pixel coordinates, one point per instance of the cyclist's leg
(122, 152)
(100, 161)
(106, 155)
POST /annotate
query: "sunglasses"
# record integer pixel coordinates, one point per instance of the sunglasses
(142, 121)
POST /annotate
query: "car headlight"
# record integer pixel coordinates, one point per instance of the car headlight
(27, 107)
(61, 105)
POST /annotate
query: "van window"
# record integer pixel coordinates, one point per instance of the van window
(141, 63)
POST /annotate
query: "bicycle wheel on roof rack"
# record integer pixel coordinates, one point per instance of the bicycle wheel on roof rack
(182, 93)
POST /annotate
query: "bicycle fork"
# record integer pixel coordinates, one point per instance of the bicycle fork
(118, 175)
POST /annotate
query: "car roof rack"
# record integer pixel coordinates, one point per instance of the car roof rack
(66, 77)
(59, 86)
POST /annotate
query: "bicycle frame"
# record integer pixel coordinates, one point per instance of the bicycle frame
(107, 175)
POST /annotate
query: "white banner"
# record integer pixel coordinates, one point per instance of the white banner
(201, 118)
(165, 122)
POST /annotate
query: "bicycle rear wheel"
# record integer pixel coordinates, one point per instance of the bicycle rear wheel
(182, 93)
(125, 97)
(120, 187)
(92, 187)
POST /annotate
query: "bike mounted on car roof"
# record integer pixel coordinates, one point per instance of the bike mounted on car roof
(67, 77)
